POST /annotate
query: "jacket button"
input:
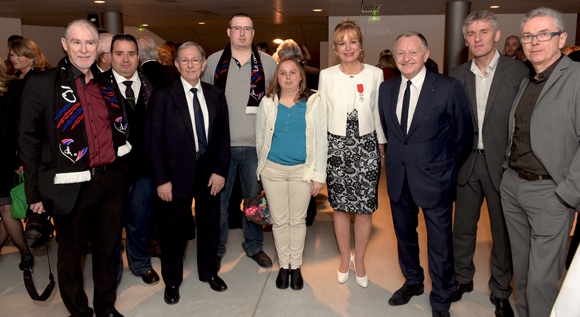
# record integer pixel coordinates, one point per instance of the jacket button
(406, 143)
(403, 163)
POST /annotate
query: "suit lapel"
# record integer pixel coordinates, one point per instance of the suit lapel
(210, 102)
(427, 92)
(471, 94)
(498, 77)
(178, 95)
(556, 74)
(393, 107)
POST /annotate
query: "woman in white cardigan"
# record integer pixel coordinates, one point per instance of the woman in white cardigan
(349, 93)
(292, 147)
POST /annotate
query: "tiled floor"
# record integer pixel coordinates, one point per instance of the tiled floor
(252, 290)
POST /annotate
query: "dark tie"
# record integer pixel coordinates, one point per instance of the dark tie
(199, 125)
(405, 110)
(129, 94)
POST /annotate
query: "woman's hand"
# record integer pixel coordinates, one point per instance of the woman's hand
(316, 188)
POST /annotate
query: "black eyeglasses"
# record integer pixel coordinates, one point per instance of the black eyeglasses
(542, 37)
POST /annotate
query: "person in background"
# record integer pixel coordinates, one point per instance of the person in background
(388, 66)
(10, 163)
(349, 93)
(26, 59)
(292, 149)
(305, 55)
(104, 59)
(158, 74)
(263, 47)
(566, 50)
(511, 45)
(171, 48)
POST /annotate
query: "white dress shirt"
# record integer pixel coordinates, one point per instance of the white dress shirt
(482, 87)
(416, 85)
(135, 84)
(189, 97)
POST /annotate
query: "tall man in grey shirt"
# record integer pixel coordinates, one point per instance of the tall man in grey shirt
(244, 74)
(491, 81)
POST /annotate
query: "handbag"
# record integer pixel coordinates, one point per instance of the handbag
(19, 206)
(256, 209)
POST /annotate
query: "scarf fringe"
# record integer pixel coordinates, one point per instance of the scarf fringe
(251, 110)
(124, 149)
(73, 177)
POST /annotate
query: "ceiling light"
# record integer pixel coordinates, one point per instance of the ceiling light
(144, 24)
(99, 1)
(494, 7)
(201, 23)
(317, 10)
(278, 41)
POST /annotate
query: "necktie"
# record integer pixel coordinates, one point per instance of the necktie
(199, 125)
(405, 110)
(129, 94)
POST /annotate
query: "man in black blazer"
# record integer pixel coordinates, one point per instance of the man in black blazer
(72, 135)
(189, 146)
(160, 75)
(491, 81)
(427, 121)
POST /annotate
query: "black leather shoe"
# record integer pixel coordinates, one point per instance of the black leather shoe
(296, 281)
(150, 278)
(502, 307)
(218, 263)
(461, 289)
(440, 313)
(26, 261)
(113, 313)
(403, 295)
(262, 259)
(283, 280)
(216, 283)
(171, 296)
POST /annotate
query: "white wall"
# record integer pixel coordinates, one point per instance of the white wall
(380, 35)
(8, 27)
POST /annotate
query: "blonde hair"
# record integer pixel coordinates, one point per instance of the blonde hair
(29, 49)
(349, 28)
(4, 78)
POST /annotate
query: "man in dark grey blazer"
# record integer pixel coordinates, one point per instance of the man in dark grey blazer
(541, 188)
(491, 81)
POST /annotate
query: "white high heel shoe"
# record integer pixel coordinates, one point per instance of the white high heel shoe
(343, 277)
(362, 281)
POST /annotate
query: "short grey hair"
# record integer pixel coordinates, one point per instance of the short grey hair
(147, 49)
(480, 15)
(545, 12)
(187, 45)
(85, 23)
(289, 49)
(417, 34)
(106, 39)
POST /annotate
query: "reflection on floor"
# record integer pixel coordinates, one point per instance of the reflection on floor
(252, 290)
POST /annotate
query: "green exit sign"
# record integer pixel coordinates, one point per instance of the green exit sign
(374, 18)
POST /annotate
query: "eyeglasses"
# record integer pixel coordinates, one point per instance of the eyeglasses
(240, 28)
(542, 37)
(194, 61)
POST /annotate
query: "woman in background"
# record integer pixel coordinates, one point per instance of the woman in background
(26, 59)
(291, 145)
(349, 93)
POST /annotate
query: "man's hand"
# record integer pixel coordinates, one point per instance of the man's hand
(164, 191)
(316, 188)
(216, 182)
(37, 207)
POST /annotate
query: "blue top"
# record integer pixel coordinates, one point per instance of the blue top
(289, 140)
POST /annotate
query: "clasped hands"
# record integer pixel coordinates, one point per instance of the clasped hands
(216, 182)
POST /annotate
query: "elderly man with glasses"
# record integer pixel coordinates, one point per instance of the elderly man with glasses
(540, 189)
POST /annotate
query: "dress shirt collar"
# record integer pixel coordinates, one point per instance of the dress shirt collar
(187, 86)
(416, 81)
(488, 69)
(120, 79)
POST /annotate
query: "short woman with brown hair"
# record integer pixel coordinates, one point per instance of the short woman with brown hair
(26, 58)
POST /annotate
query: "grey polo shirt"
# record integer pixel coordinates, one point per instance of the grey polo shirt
(242, 125)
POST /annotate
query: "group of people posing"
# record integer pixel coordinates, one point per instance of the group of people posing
(95, 145)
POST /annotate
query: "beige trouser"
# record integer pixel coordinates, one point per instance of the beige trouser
(288, 198)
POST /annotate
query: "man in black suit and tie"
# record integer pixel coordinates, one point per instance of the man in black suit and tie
(72, 135)
(491, 81)
(134, 90)
(427, 122)
(189, 146)
(160, 75)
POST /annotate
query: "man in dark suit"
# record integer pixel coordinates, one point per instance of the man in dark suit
(491, 81)
(160, 75)
(427, 121)
(72, 135)
(189, 146)
(134, 90)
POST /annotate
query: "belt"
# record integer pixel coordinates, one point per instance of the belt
(530, 176)
(480, 151)
(198, 155)
(100, 169)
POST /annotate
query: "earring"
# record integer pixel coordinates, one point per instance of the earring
(336, 53)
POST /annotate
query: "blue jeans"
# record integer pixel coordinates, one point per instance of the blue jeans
(246, 159)
(137, 218)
